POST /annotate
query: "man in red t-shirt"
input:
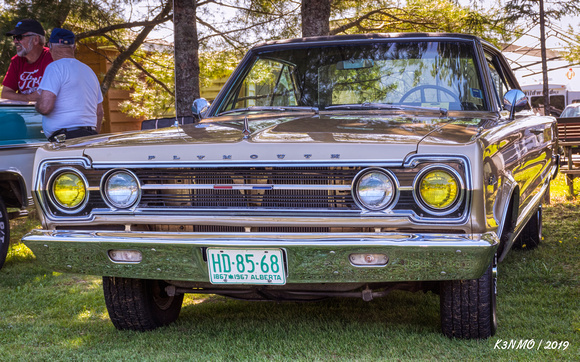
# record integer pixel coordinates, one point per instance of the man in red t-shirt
(27, 66)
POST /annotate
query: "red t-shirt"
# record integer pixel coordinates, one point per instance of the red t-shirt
(24, 77)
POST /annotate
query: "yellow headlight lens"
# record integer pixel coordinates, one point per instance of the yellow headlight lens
(69, 190)
(438, 189)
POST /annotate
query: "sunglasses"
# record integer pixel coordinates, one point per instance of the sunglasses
(20, 36)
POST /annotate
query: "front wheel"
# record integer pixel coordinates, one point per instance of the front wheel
(468, 307)
(140, 304)
(4, 233)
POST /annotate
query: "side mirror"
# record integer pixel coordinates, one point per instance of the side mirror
(515, 101)
(199, 106)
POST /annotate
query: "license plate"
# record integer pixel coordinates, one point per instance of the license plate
(246, 266)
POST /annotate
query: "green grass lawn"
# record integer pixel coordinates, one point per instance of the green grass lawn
(48, 316)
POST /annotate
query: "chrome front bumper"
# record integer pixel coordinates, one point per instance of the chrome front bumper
(310, 258)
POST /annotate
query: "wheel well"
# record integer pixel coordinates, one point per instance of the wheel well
(12, 190)
(509, 224)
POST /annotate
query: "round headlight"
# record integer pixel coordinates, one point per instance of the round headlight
(375, 190)
(439, 189)
(69, 190)
(122, 189)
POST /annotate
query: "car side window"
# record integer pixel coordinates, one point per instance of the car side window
(269, 83)
(500, 85)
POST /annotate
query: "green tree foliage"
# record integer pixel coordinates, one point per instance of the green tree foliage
(529, 10)
(418, 16)
(151, 80)
(383, 16)
(572, 53)
(77, 15)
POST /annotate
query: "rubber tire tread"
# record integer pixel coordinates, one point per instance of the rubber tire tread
(466, 308)
(531, 235)
(131, 304)
(4, 233)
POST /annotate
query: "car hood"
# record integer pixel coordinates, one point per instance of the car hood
(290, 137)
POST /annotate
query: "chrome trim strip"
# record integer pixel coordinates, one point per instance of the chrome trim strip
(51, 196)
(422, 203)
(396, 189)
(500, 228)
(245, 187)
(249, 163)
(39, 189)
(391, 218)
(261, 239)
(103, 191)
(243, 219)
(23, 145)
(467, 178)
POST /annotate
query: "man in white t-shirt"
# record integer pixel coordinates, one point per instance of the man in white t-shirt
(70, 94)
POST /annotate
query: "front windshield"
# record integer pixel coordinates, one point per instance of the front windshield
(571, 112)
(412, 73)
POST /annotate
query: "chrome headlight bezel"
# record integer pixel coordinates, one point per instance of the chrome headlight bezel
(430, 209)
(388, 176)
(51, 193)
(106, 195)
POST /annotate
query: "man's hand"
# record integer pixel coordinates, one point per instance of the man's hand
(100, 114)
(9, 93)
(45, 103)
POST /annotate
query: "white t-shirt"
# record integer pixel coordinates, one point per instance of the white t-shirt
(77, 95)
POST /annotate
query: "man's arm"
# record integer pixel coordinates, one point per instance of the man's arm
(45, 103)
(100, 114)
(9, 93)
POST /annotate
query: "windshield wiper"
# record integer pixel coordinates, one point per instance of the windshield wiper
(272, 108)
(398, 107)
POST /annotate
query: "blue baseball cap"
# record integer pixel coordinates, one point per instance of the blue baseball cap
(61, 36)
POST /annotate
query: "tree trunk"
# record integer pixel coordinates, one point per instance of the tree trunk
(546, 86)
(315, 17)
(186, 56)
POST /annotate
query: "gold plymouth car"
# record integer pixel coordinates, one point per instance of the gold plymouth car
(342, 166)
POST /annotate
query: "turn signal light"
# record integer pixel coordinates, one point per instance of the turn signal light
(368, 259)
(125, 256)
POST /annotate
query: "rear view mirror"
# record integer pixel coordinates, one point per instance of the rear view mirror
(355, 64)
(199, 106)
(515, 101)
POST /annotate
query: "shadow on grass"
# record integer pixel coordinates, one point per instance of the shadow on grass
(417, 311)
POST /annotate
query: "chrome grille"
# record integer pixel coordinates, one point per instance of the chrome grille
(300, 188)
